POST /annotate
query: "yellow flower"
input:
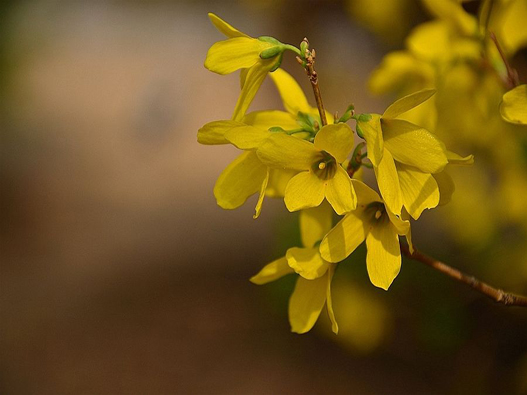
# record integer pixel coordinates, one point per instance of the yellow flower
(404, 156)
(375, 223)
(321, 175)
(313, 286)
(255, 56)
(513, 108)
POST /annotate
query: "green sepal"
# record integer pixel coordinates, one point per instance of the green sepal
(278, 63)
(271, 52)
(269, 39)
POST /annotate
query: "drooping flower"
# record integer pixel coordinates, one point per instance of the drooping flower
(313, 286)
(256, 57)
(404, 156)
(375, 223)
(319, 163)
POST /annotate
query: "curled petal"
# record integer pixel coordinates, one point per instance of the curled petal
(213, 133)
(272, 271)
(307, 262)
(513, 108)
(419, 190)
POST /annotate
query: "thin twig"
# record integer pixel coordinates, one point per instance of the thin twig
(512, 75)
(495, 294)
(309, 66)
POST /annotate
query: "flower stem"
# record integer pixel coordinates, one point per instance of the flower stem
(307, 60)
(489, 291)
(512, 74)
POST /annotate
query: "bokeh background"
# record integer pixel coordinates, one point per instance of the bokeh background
(120, 274)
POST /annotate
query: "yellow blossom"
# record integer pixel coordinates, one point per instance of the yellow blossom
(375, 223)
(513, 108)
(321, 174)
(313, 286)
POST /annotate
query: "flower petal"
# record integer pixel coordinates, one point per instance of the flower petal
(383, 259)
(213, 133)
(307, 262)
(253, 80)
(340, 193)
(306, 303)
(224, 27)
(241, 179)
(446, 187)
(315, 223)
(513, 108)
(329, 301)
(246, 137)
(414, 145)
(227, 56)
(406, 103)
(455, 159)
(287, 152)
(419, 190)
(259, 203)
(268, 119)
(372, 132)
(304, 190)
(402, 226)
(278, 180)
(291, 93)
(272, 271)
(388, 181)
(365, 195)
(344, 238)
(336, 139)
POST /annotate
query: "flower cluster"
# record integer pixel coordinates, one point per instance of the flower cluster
(313, 163)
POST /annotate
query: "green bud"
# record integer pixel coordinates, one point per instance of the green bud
(271, 52)
(303, 47)
(276, 129)
(363, 118)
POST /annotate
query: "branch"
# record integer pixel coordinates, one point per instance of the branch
(495, 294)
(308, 62)
(512, 74)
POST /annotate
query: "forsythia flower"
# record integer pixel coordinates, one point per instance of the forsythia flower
(313, 286)
(375, 223)
(321, 175)
(404, 156)
(255, 56)
(513, 108)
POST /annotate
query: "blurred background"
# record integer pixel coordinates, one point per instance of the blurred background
(120, 274)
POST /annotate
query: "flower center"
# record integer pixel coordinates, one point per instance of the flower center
(326, 167)
(375, 213)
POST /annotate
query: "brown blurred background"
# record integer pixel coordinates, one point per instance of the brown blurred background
(119, 273)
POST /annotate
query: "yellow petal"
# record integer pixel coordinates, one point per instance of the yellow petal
(278, 180)
(246, 137)
(402, 227)
(383, 259)
(414, 145)
(340, 193)
(388, 182)
(419, 190)
(307, 262)
(513, 108)
(337, 140)
(241, 179)
(303, 191)
(258, 208)
(430, 41)
(227, 56)
(372, 132)
(453, 12)
(513, 33)
(267, 119)
(315, 223)
(329, 300)
(455, 159)
(291, 93)
(406, 103)
(306, 303)
(344, 238)
(446, 187)
(253, 80)
(224, 27)
(272, 271)
(365, 195)
(287, 152)
(213, 133)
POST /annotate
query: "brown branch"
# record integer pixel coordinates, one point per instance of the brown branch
(489, 291)
(309, 65)
(512, 75)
